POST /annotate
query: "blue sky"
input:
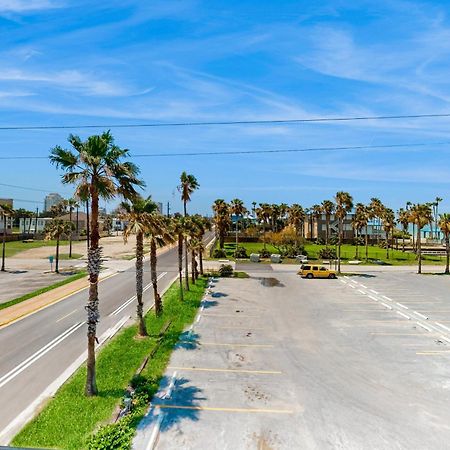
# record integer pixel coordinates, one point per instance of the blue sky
(65, 63)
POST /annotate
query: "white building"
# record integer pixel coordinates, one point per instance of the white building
(28, 225)
(52, 200)
(9, 220)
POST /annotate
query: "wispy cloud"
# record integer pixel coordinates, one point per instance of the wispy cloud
(22, 6)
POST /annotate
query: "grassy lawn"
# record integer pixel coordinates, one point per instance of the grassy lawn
(70, 418)
(14, 247)
(21, 299)
(396, 257)
(64, 256)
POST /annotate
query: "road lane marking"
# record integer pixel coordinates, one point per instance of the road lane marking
(386, 305)
(208, 369)
(403, 315)
(120, 308)
(220, 409)
(373, 298)
(442, 326)
(421, 315)
(401, 305)
(67, 315)
(374, 291)
(155, 432)
(365, 287)
(423, 326)
(361, 291)
(387, 298)
(38, 354)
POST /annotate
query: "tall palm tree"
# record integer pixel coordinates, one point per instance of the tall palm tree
(179, 230)
(238, 209)
(296, 218)
(444, 225)
(202, 224)
(54, 230)
(403, 220)
(388, 226)
(316, 211)
(437, 200)
(135, 214)
(266, 215)
(96, 166)
(328, 210)
(359, 221)
(344, 203)
(284, 208)
(159, 234)
(188, 184)
(221, 219)
(420, 215)
(5, 211)
(71, 203)
(377, 209)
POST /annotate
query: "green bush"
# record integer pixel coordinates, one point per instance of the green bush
(333, 240)
(115, 436)
(219, 253)
(327, 253)
(240, 252)
(264, 253)
(293, 250)
(226, 270)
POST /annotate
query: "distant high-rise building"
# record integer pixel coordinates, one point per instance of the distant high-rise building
(160, 207)
(52, 200)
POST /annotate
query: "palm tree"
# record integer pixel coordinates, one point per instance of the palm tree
(54, 230)
(159, 234)
(316, 211)
(97, 167)
(5, 211)
(437, 200)
(202, 224)
(444, 225)
(403, 220)
(221, 219)
(238, 209)
(135, 213)
(188, 184)
(388, 226)
(71, 203)
(358, 223)
(344, 203)
(328, 210)
(296, 218)
(179, 230)
(377, 209)
(266, 214)
(420, 215)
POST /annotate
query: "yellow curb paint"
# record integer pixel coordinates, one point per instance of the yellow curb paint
(29, 313)
(238, 410)
(207, 369)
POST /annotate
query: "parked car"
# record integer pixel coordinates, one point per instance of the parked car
(311, 271)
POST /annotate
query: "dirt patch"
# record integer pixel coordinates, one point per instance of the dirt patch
(270, 282)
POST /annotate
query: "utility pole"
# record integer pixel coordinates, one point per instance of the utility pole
(168, 209)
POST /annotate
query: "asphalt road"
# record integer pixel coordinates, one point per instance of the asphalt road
(40, 348)
(356, 363)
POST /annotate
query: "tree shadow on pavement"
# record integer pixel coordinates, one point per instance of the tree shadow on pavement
(188, 340)
(218, 294)
(209, 303)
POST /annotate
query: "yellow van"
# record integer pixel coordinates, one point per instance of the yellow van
(316, 271)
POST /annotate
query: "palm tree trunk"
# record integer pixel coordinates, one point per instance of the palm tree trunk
(186, 260)
(57, 255)
(419, 250)
(367, 242)
(387, 245)
(447, 249)
(339, 246)
(193, 264)
(200, 258)
(180, 264)
(87, 225)
(139, 283)
(94, 260)
(237, 238)
(4, 244)
(328, 230)
(154, 277)
(356, 244)
(70, 235)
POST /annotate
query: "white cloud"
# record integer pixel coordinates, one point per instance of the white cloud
(21, 6)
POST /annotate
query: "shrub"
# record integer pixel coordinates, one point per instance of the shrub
(358, 241)
(293, 251)
(327, 253)
(333, 240)
(240, 252)
(219, 253)
(264, 253)
(116, 436)
(320, 241)
(226, 270)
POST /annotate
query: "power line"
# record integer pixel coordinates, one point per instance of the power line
(25, 187)
(227, 122)
(243, 152)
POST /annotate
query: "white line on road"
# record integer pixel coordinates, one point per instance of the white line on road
(403, 315)
(37, 355)
(374, 291)
(351, 285)
(119, 309)
(155, 431)
(342, 281)
(421, 315)
(362, 292)
(386, 306)
(373, 298)
(365, 287)
(424, 326)
(387, 298)
(442, 326)
(198, 318)
(401, 306)
(67, 315)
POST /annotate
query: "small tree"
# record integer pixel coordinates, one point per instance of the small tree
(55, 229)
(444, 225)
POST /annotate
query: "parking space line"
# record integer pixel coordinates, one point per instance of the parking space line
(241, 328)
(379, 333)
(209, 369)
(220, 409)
(236, 315)
(433, 352)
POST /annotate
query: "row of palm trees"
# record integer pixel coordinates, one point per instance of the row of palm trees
(272, 217)
(100, 169)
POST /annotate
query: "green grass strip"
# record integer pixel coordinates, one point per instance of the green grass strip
(21, 299)
(70, 418)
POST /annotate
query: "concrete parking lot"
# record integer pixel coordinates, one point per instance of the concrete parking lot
(277, 362)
